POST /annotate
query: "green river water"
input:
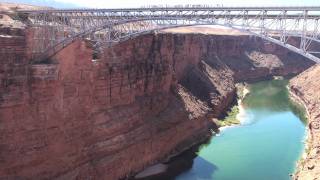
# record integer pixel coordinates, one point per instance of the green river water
(266, 146)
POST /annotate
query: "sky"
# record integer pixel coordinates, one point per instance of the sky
(139, 3)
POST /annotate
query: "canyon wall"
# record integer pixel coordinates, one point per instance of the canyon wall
(306, 87)
(143, 100)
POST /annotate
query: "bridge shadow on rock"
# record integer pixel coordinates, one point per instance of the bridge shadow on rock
(203, 171)
(182, 164)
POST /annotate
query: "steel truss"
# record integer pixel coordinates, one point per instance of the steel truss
(55, 29)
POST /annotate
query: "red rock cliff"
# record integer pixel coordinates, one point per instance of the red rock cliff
(305, 86)
(143, 100)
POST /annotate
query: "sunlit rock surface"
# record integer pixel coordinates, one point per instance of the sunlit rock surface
(307, 88)
(141, 101)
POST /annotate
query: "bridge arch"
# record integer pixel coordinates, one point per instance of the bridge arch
(118, 26)
(248, 30)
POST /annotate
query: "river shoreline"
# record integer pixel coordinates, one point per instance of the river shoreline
(308, 140)
(305, 86)
(233, 117)
(242, 91)
(158, 170)
(272, 95)
(241, 114)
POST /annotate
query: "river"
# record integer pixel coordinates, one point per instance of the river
(265, 146)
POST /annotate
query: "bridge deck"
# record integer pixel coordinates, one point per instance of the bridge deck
(58, 27)
(268, 8)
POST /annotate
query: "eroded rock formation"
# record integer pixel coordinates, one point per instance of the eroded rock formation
(147, 98)
(306, 87)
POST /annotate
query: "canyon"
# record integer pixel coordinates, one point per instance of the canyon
(77, 116)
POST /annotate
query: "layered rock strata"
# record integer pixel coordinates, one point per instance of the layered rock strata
(305, 87)
(76, 117)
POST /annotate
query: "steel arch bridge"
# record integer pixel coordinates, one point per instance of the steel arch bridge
(52, 30)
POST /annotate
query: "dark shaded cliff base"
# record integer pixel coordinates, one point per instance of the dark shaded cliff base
(141, 101)
(306, 88)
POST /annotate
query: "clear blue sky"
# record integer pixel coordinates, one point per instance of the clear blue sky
(139, 3)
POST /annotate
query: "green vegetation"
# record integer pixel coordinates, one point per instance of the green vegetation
(299, 110)
(231, 117)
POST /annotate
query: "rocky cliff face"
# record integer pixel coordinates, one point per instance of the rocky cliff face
(306, 87)
(156, 95)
